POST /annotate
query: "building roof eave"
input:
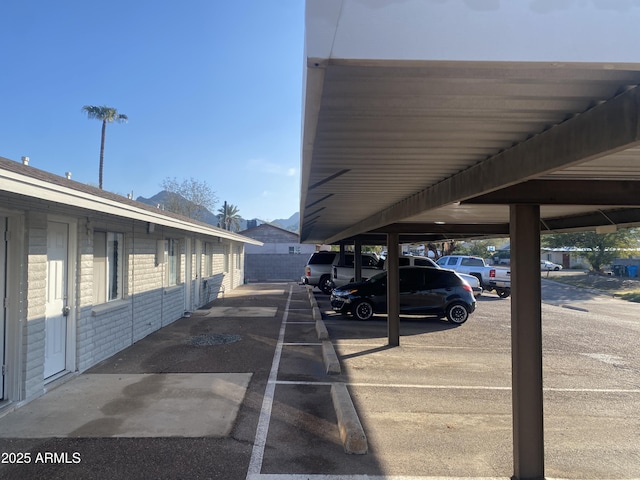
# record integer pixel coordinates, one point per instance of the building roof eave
(25, 185)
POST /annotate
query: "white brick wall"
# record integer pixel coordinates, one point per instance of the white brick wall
(34, 333)
(147, 304)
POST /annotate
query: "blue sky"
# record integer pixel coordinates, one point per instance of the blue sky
(212, 89)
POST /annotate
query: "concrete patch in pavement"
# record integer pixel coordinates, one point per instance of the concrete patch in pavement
(242, 312)
(249, 290)
(133, 405)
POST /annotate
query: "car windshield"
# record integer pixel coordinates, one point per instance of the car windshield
(378, 277)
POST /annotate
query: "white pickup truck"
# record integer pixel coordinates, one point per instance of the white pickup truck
(490, 276)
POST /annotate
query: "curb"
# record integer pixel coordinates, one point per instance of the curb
(330, 358)
(309, 291)
(321, 330)
(351, 431)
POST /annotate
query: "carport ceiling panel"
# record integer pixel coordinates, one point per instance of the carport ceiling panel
(489, 214)
(410, 118)
(623, 165)
(401, 129)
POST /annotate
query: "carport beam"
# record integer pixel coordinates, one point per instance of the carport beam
(393, 289)
(526, 342)
(357, 260)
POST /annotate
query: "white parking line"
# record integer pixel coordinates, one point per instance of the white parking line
(460, 387)
(277, 476)
(257, 453)
(295, 382)
(405, 344)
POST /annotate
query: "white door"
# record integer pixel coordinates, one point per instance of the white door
(55, 316)
(3, 270)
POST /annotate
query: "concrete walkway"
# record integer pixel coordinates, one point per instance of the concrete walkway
(210, 380)
(133, 405)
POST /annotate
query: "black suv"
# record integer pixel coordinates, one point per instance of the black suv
(423, 290)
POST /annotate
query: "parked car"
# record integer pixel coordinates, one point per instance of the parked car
(423, 290)
(546, 265)
(345, 273)
(319, 271)
(491, 277)
(405, 260)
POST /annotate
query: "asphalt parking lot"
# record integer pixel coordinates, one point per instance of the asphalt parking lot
(437, 406)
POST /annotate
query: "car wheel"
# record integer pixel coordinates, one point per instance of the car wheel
(457, 313)
(503, 293)
(326, 285)
(362, 310)
(557, 268)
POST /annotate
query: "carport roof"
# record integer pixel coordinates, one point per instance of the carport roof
(413, 143)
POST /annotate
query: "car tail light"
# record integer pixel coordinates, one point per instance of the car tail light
(467, 288)
(492, 273)
(307, 271)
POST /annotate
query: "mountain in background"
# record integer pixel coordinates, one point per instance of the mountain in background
(292, 223)
(160, 199)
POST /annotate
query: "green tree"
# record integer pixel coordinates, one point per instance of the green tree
(598, 248)
(229, 217)
(105, 115)
(477, 248)
(190, 197)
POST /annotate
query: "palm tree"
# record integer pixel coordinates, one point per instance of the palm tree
(105, 115)
(229, 218)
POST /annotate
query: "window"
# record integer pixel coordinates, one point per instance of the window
(472, 262)
(172, 262)
(424, 262)
(294, 250)
(348, 260)
(411, 280)
(108, 271)
(435, 279)
(444, 279)
(369, 261)
(322, 258)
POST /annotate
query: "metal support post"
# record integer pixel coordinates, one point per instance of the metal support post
(393, 289)
(526, 343)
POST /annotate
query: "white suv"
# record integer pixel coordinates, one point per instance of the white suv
(319, 271)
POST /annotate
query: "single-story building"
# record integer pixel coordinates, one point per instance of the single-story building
(281, 258)
(569, 257)
(86, 273)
